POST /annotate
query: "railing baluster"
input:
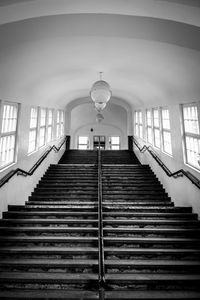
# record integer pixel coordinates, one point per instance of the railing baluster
(100, 231)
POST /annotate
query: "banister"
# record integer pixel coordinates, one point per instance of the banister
(22, 172)
(175, 174)
(101, 279)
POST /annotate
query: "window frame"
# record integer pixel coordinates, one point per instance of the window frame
(155, 127)
(11, 133)
(149, 126)
(42, 127)
(139, 124)
(110, 142)
(189, 134)
(87, 145)
(163, 130)
(34, 128)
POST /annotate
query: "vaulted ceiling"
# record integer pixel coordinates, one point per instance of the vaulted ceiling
(51, 51)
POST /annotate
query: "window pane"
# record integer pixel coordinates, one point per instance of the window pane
(165, 119)
(190, 116)
(32, 141)
(115, 140)
(149, 120)
(157, 137)
(42, 137)
(9, 122)
(7, 150)
(50, 117)
(149, 135)
(82, 142)
(140, 117)
(167, 142)
(140, 131)
(49, 134)
(34, 115)
(82, 139)
(42, 117)
(156, 117)
(82, 147)
(193, 150)
(58, 116)
(114, 147)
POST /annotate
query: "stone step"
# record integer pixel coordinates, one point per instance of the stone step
(152, 222)
(129, 215)
(37, 230)
(6, 222)
(151, 294)
(90, 215)
(151, 251)
(152, 264)
(149, 279)
(51, 251)
(154, 231)
(53, 294)
(152, 241)
(136, 209)
(47, 277)
(47, 214)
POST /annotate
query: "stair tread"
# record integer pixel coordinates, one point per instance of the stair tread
(151, 277)
(48, 294)
(149, 294)
(55, 276)
(53, 249)
(151, 250)
(48, 238)
(49, 262)
(150, 262)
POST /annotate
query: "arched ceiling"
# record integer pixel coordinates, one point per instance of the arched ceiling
(51, 51)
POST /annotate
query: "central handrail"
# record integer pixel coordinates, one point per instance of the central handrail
(101, 279)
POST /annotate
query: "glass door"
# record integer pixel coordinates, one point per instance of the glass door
(99, 141)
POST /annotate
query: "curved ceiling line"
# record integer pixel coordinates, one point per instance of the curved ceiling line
(147, 8)
(85, 100)
(101, 25)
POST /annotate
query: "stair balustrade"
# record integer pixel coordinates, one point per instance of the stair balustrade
(25, 173)
(176, 174)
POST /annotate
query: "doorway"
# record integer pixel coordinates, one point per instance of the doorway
(99, 142)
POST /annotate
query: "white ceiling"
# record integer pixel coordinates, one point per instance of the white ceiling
(51, 51)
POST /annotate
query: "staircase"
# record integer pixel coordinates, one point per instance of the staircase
(49, 247)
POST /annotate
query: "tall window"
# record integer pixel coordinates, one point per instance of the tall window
(114, 142)
(61, 123)
(33, 130)
(191, 121)
(138, 124)
(58, 124)
(149, 126)
(8, 133)
(166, 133)
(156, 127)
(50, 125)
(83, 142)
(42, 128)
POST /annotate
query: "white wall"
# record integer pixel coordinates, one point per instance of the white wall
(181, 190)
(17, 190)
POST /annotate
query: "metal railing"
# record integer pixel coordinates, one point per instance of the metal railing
(22, 172)
(101, 278)
(176, 174)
